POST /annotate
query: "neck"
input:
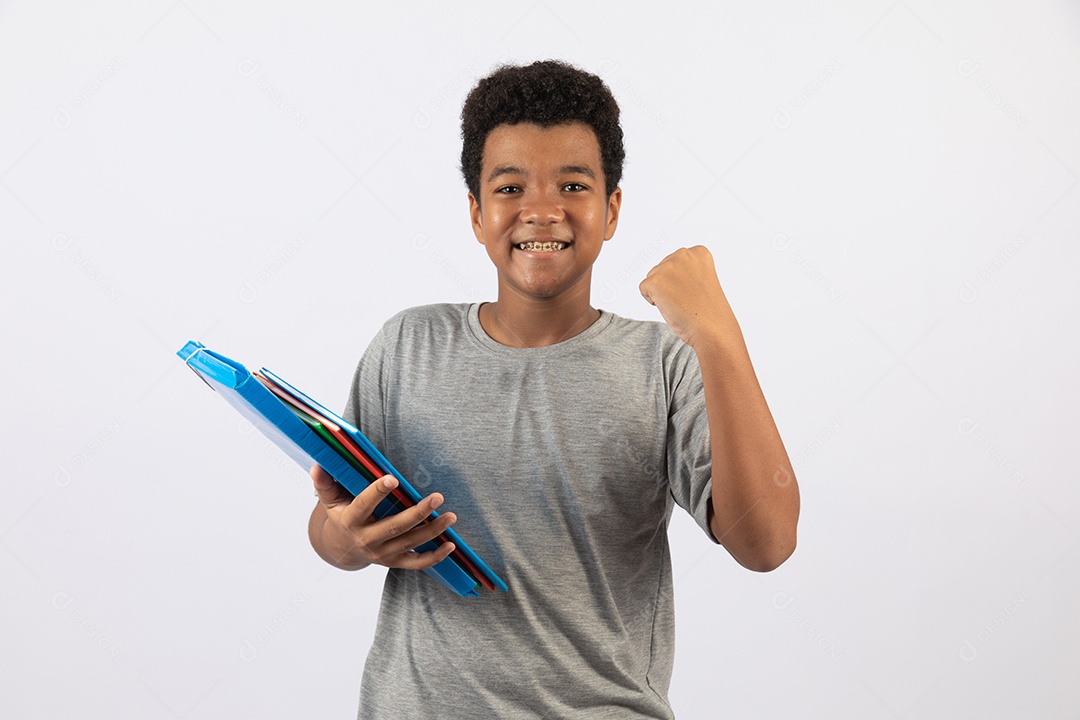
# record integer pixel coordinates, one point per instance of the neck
(527, 322)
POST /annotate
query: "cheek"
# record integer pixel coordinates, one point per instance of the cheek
(494, 222)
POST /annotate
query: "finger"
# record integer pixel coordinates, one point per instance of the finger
(393, 526)
(421, 561)
(423, 532)
(362, 507)
(671, 256)
(643, 288)
(331, 493)
(397, 550)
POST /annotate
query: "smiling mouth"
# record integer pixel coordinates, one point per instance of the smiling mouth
(542, 246)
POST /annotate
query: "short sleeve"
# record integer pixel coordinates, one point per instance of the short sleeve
(365, 405)
(689, 452)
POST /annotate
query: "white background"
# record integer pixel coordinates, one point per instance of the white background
(890, 190)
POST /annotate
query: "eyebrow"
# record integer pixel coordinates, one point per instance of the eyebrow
(564, 170)
(577, 170)
(505, 170)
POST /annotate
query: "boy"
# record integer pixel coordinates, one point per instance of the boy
(562, 433)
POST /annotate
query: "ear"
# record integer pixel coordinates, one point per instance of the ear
(613, 204)
(477, 218)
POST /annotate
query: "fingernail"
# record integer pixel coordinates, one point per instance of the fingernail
(389, 483)
(436, 502)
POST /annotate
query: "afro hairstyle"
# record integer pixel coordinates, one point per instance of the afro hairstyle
(547, 93)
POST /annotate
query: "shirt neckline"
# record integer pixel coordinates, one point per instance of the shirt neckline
(564, 346)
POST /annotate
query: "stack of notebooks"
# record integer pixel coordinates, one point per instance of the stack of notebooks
(310, 434)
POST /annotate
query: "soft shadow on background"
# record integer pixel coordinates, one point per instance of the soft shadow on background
(891, 191)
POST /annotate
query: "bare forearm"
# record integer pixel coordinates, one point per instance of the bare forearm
(755, 498)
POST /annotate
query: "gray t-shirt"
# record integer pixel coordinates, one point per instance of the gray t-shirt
(562, 464)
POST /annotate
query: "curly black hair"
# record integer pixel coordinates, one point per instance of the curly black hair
(547, 93)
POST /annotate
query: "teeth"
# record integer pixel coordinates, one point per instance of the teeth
(541, 247)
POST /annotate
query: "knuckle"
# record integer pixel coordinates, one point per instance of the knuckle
(362, 504)
(395, 527)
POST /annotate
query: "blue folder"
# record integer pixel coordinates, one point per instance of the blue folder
(280, 424)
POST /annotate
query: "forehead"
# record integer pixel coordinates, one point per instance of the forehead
(537, 148)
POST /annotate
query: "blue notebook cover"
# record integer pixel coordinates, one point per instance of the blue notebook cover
(277, 422)
(385, 465)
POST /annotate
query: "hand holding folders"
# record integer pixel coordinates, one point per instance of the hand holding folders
(352, 537)
(312, 435)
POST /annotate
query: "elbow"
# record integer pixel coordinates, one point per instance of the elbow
(778, 543)
(766, 557)
(767, 562)
(760, 547)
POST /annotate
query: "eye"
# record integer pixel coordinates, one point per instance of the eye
(507, 190)
(574, 187)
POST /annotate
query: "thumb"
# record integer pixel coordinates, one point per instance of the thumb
(331, 493)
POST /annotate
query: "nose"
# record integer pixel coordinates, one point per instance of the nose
(541, 207)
